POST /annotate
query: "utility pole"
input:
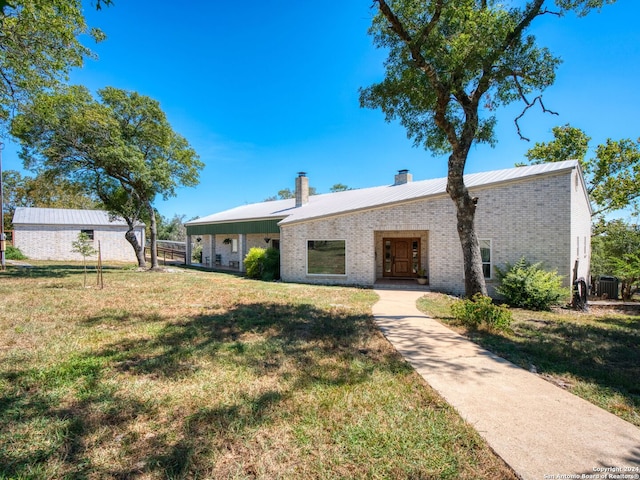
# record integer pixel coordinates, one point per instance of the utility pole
(3, 237)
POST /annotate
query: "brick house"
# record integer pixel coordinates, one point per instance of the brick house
(358, 237)
(47, 233)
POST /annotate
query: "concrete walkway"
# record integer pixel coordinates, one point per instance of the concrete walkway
(540, 430)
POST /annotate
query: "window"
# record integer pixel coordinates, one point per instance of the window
(234, 245)
(88, 233)
(485, 254)
(326, 257)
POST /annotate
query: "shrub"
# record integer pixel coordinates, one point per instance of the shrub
(481, 310)
(196, 253)
(262, 264)
(13, 253)
(271, 266)
(529, 286)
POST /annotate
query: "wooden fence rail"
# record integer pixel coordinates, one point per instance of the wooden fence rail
(168, 254)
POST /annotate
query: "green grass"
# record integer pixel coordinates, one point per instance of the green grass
(596, 356)
(191, 374)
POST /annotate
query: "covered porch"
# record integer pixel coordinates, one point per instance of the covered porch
(223, 246)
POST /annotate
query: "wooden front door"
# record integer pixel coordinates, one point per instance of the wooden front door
(401, 257)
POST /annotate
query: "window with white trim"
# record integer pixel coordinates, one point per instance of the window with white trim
(326, 257)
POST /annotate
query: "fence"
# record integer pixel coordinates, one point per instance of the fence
(171, 254)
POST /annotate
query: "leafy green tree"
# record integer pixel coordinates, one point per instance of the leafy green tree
(39, 45)
(450, 65)
(613, 174)
(44, 191)
(84, 246)
(615, 251)
(172, 229)
(122, 147)
(287, 193)
(339, 187)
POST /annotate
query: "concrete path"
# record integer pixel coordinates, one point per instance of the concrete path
(540, 430)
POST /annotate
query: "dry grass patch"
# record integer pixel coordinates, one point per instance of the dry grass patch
(201, 375)
(594, 355)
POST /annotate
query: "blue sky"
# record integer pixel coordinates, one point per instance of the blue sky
(265, 89)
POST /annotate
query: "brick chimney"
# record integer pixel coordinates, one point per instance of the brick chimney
(302, 189)
(402, 177)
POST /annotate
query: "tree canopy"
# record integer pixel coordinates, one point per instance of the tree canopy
(450, 65)
(39, 45)
(612, 174)
(46, 191)
(616, 251)
(121, 146)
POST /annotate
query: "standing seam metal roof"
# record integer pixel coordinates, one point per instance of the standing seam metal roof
(65, 216)
(351, 200)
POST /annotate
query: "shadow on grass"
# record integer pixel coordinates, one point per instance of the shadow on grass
(605, 352)
(25, 270)
(51, 418)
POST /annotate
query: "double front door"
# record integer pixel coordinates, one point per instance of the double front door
(401, 257)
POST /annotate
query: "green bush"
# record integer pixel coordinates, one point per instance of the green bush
(13, 253)
(196, 253)
(526, 285)
(481, 310)
(271, 265)
(262, 264)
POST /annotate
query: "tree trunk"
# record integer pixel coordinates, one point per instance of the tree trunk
(137, 248)
(153, 237)
(465, 210)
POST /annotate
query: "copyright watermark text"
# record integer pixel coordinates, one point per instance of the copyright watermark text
(600, 473)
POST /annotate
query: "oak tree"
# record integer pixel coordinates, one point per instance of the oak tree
(40, 42)
(612, 174)
(450, 65)
(121, 146)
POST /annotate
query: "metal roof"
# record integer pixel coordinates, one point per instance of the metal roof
(65, 216)
(351, 200)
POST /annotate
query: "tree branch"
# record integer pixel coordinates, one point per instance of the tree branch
(428, 28)
(422, 64)
(485, 80)
(528, 105)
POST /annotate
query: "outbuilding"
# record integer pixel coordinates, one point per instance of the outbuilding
(48, 233)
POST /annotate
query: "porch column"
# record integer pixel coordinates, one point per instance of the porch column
(242, 250)
(187, 258)
(212, 250)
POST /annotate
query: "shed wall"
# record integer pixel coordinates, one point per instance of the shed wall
(51, 242)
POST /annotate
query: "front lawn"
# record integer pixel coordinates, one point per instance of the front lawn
(189, 374)
(593, 355)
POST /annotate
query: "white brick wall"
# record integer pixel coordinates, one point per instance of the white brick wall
(49, 242)
(534, 218)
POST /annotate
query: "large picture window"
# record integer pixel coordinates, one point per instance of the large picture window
(485, 253)
(326, 257)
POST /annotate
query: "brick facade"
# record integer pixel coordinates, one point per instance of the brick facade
(52, 242)
(542, 218)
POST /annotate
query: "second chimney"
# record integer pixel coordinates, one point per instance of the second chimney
(302, 189)
(402, 177)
